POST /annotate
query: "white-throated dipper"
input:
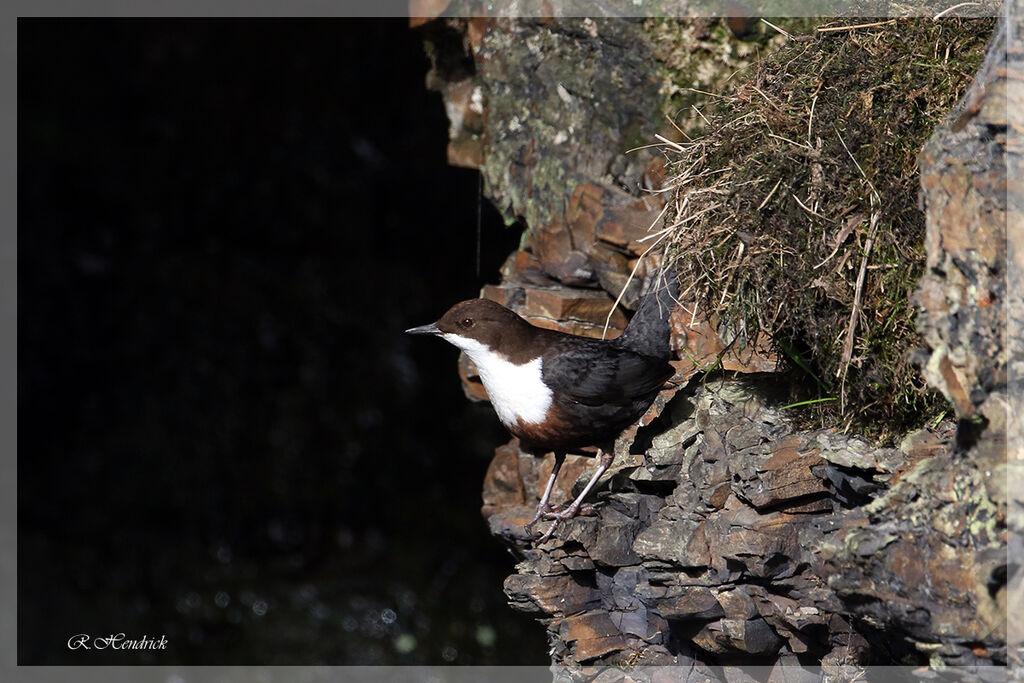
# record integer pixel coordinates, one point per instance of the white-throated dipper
(561, 392)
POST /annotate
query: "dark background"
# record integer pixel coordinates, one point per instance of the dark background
(224, 436)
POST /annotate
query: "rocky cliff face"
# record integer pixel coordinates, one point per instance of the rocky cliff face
(724, 533)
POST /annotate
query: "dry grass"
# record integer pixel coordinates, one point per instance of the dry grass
(796, 212)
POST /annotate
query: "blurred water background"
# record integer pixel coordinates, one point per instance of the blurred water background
(224, 438)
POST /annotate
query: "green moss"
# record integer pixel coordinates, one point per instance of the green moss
(779, 216)
(705, 54)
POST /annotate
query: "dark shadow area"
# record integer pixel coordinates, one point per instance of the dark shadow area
(224, 437)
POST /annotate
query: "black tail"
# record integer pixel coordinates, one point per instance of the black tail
(648, 330)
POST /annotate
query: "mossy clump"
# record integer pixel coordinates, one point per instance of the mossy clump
(796, 214)
(710, 54)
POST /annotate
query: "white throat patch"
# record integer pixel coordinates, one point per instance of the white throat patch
(516, 391)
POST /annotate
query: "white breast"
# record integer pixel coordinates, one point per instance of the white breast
(516, 391)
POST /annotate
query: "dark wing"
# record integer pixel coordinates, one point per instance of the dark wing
(598, 373)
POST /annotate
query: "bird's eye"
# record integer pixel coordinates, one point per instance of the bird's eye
(467, 322)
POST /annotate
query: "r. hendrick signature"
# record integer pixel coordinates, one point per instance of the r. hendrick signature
(115, 641)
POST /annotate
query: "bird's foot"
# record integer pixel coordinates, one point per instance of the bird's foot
(557, 510)
(543, 510)
(560, 515)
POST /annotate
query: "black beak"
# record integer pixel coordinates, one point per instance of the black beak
(424, 329)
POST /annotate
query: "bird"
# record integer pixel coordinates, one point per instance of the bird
(560, 392)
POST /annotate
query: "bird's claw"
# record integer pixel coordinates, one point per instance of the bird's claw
(584, 511)
(542, 512)
(557, 515)
(556, 518)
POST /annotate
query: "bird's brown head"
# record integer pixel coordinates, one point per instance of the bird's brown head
(480, 320)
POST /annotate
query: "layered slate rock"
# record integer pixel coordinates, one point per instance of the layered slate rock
(723, 532)
(720, 539)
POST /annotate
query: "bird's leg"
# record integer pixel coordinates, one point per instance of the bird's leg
(544, 507)
(571, 511)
